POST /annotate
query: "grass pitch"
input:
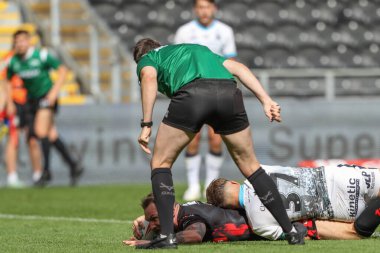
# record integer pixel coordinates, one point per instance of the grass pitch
(98, 218)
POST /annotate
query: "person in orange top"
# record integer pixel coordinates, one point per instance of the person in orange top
(18, 121)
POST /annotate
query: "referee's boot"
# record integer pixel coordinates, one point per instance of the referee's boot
(297, 238)
(44, 179)
(75, 173)
(162, 242)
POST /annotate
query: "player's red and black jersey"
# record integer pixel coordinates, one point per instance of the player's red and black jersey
(221, 224)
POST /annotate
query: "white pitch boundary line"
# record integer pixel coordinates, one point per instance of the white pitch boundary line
(57, 218)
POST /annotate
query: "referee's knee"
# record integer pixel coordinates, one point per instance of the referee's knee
(161, 164)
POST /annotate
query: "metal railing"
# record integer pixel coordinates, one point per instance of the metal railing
(329, 76)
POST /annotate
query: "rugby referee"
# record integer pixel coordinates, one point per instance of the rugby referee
(202, 89)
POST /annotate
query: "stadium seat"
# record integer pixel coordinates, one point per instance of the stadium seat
(326, 14)
(303, 33)
(351, 34)
(297, 87)
(370, 56)
(108, 2)
(374, 35)
(266, 13)
(170, 16)
(250, 58)
(364, 12)
(254, 37)
(276, 58)
(128, 35)
(318, 35)
(289, 36)
(106, 11)
(136, 15)
(298, 13)
(233, 14)
(309, 57)
(162, 34)
(352, 86)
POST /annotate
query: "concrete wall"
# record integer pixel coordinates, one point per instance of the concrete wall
(105, 138)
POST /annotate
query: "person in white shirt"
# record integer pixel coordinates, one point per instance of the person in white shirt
(219, 38)
(345, 193)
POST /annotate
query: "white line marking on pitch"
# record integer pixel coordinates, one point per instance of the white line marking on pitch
(55, 218)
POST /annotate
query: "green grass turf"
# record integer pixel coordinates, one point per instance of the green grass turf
(111, 202)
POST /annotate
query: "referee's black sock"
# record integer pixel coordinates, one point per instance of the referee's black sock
(61, 147)
(45, 143)
(369, 219)
(163, 191)
(268, 193)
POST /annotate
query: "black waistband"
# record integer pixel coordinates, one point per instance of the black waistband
(210, 81)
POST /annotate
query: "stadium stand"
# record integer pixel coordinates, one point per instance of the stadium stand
(77, 20)
(10, 21)
(273, 34)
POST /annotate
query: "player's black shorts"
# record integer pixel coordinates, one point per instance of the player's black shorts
(215, 102)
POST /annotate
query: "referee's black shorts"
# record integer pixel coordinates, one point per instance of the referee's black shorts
(40, 103)
(215, 102)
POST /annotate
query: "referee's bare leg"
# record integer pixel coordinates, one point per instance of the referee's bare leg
(240, 146)
(169, 143)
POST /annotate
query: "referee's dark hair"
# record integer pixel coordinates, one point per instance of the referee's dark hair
(143, 46)
(21, 32)
(210, 1)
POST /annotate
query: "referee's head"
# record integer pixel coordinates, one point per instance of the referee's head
(143, 46)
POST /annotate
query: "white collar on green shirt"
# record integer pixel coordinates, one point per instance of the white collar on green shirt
(29, 53)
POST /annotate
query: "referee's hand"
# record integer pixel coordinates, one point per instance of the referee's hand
(144, 139)
(273, 111)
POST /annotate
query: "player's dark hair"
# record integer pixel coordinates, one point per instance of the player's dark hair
(147, 200)
(210, 1)
(143, 46)
(215, 192)
(20, 32)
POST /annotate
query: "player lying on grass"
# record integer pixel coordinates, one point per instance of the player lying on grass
(345, 193)
(194, 222)
(197, 222)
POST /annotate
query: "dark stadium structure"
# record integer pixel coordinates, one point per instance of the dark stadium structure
(273, 34)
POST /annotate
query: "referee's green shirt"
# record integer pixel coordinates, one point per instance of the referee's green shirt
(178, 65)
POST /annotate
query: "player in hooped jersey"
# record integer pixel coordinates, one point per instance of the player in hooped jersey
(341, 193)
(218, 37)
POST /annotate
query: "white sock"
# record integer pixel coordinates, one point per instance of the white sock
(36, 175)
(193, 165)
(12, 177)
(213, 164)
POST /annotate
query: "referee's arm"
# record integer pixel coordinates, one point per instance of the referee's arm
(271, 108)
(247, 78)
(148, 77)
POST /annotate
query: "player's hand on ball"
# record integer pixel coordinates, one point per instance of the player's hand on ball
(272, 111)
(144, 139)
